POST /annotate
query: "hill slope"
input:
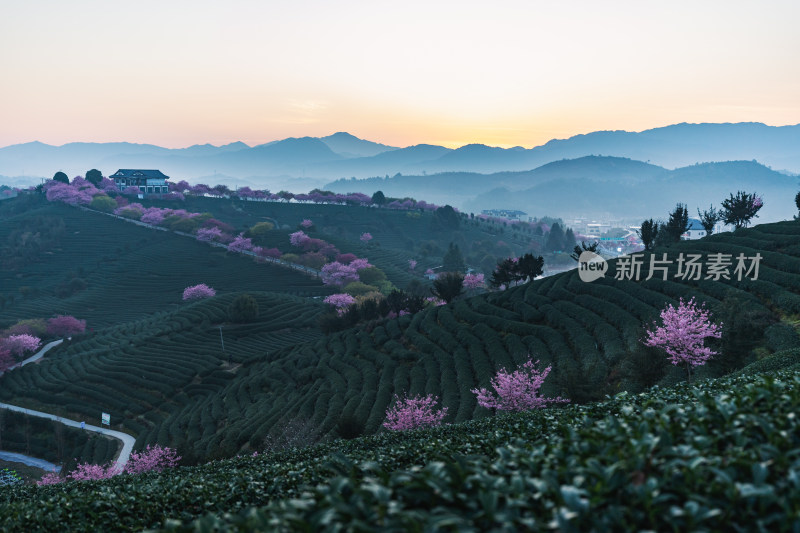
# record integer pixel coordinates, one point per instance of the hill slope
(108, 271)
(589, 332)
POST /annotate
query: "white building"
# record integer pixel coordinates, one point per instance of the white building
(695, 231)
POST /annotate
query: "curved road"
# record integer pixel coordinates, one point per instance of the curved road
(127, 440)
(30, 461)
(38, 355)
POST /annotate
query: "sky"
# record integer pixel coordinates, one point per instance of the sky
(503, 73)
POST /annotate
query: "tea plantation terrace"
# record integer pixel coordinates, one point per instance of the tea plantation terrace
(719, 455)
(589, 332)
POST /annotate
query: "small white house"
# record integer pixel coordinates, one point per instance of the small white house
(695, 231)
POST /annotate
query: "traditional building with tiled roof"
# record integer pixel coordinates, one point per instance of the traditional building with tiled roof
(148, 181)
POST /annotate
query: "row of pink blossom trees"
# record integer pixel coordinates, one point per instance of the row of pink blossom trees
(681, 334)
(513, 391)
(152, 459)
(316, 196)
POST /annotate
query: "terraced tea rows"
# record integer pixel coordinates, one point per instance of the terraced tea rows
(587, 331)
(141, 372)
(571, 466)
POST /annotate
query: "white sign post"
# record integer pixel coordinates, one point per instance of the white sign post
(106, 419)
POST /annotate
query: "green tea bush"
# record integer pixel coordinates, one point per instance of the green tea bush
(719, 455)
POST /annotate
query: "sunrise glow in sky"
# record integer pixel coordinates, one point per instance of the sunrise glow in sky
(506, 73)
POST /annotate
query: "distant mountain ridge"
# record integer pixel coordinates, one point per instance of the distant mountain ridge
(595, 187)
(342, 155)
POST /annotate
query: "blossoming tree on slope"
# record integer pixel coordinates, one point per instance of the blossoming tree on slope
(683, 333)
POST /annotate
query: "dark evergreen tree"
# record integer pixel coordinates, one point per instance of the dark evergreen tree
(448, 287)
(517, 269)
(378, 198)
(445, 218)
(528, 267)
(94, 177)
(569, 240)
(503, 273)
(555, 239)
(648, 233)
(677, 225)
(453, 261)
(243, 308)
(60, 176)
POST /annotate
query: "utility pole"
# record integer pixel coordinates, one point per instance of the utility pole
(222, 341)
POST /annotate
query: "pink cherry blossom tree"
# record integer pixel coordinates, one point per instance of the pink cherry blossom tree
(152, 459)
(346, 259)
(273, 253)
(50, 478)
(198, 292)
(298, 238)
(240, 244)
(359, 264)
(65, 325)
(336, 273)
(208, 234)
(90, 472)
(682, 334)
(413, 413)
(412, 264)
(474, 281)
(365, 237)
(107, 185)
(61, 192)
(20, 344)
(154, 215)
(517, 390)
(340, 301)
(306, 223)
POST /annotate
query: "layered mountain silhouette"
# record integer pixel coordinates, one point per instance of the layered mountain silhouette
(594, 187)
(600, 172)
(343, 155)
